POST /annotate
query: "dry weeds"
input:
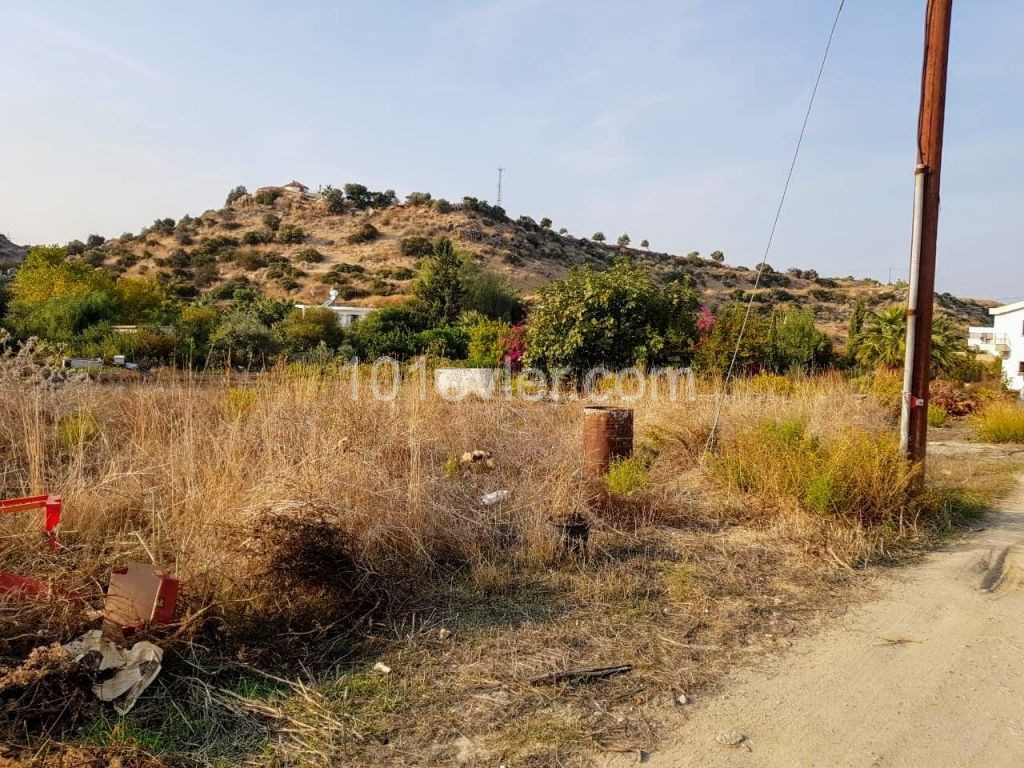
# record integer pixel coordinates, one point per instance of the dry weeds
(316, 536)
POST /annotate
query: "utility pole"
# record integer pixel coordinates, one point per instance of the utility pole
(501, 172)
(921, 293)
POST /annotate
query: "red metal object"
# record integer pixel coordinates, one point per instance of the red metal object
(52, 507)
(140, 594)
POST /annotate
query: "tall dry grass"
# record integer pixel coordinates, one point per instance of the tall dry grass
(231, 485)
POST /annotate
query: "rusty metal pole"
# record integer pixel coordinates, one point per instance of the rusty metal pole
(920, 304)
(607, 437)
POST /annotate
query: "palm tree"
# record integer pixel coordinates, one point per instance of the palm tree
(882, 341)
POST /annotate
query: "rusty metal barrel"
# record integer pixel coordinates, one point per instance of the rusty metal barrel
(607, 437)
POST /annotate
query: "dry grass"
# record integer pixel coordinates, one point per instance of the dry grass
(1000, 422)
(316, 535)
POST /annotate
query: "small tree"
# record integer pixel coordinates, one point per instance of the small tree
(415, 199)
(624, 240)
(645, 243)
(563, 231)
(235, 194)
(271, 221)
(545, 223)
(439, 283)
(290, 234)
(617, 318)
(303, 330)
(334, 199)
(598, 237)
(717, 256)
(358, 195)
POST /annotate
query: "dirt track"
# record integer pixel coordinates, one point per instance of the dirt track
(930, 673)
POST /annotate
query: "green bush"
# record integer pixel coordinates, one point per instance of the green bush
(303, 330)
(271, 221)
(627, 476)
(416, 246)
(937, 415)
(1000, 422)
(290, 234)
(266, 196)
(309, 256)
(391, 331)
(257, 237)
(365, 233)
(250, 260)
(855, 474)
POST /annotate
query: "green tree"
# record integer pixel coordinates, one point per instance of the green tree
(858, 314)
(141, 301)
(718, 345)
(598, 237)
(545, 223)
(243, 339)
(195, 326)
(617, 318)
(799, 345)
(391, 331)
(304, 329)
(334, 199)
(235, 194)
(717, 256)
(489, 294)
(645, 243)
(624, 240)
(358, 195)
(439, 283)
(55, 298)
(487, 339)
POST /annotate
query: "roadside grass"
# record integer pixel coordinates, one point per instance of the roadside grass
(317, 536)
(1000, 422)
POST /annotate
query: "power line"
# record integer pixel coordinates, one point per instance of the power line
(709, 445)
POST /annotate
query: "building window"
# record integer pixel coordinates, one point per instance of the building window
(1020, 368)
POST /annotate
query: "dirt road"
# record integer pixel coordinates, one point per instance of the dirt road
(929, 674)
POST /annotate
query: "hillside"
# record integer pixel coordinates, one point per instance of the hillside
(10, 254)
(291, 245)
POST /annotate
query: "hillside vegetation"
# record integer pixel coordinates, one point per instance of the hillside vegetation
(368, 245)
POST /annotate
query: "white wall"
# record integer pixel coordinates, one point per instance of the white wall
(1011, 325)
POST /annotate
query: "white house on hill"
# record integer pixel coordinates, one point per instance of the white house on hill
(1005, 340)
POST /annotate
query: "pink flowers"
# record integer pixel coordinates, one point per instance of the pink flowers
(705, 320)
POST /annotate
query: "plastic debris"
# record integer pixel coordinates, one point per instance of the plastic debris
(381, 667)
(495, 497)
(134, 669)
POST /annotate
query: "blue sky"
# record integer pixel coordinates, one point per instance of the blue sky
(672, 121)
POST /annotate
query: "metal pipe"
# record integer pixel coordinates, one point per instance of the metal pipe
(607, 436)
(908, 400)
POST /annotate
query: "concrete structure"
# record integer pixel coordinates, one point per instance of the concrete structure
(1005, 340)
(346, 315)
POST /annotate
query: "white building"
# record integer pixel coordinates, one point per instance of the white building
(346, 314)
(1005, 340)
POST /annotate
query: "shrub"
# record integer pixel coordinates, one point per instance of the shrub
(242, 338)
(627, 476)
(439, 286)
(442, 206)
(365, 233)
(220, 247)
(271, 221)
(266, 196)
(447, 343)
(290, 234)
(334, 199)
(303, 330)
(418, 198)
(937, 415)
(416, 246)
(391, 331)
(76, 430)
(857, 474)
(309, 256)
(1000, 422)
(257, 237)
(250, 260)
(598, 237)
